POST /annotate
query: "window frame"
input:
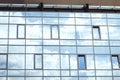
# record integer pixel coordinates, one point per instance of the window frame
(85, 63)
(51, 30)
(6, 62)
(18, 25)
(35, 62)
(99, 33)
(118, 61)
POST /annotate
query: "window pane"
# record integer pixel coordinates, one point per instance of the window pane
(21, 31)
(96, 32)
(3, 61)
(55, 32)
(38, 61)
(82, 63)
(16, 61)
(65, 62)
(104, 78)
(51, 61)
(103, 62)
(115, 61)
(29, 61)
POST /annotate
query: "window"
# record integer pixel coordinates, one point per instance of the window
(82, 62)
(3, 61)
(37, 61)
(50, 32)
(96, 32)
(115, 61)
(54, 32)
(21, 31)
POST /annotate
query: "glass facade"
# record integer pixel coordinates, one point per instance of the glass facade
(38, 45)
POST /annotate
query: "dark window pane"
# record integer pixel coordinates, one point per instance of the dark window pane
(82, 63)
(115, 61)
(96, 32)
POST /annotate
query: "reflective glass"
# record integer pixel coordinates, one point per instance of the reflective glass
(86, 73)
(102, 62)
(103, 73)
(67, 32)
(115, 61)
(33, 20)
(67, 21)
(3, 61)
(114, 32)
(116, 73)
(65, 62)
(73, 62)
(96, 33)
(104, 78)
(50, 49)
(50, 20)
(29, 61)
(55, 32)
(38, 61)
(51, 62)
(16, 73)
(16, 61)
(20, 31)
(3, 31)
(53, 72)
(84, 32)
(82, 62)
(101, 50)
(33, 73)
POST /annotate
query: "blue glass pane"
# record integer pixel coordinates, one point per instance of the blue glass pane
(82, 62)
(115, 61)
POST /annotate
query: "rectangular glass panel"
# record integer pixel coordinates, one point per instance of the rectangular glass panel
(115, 61)
(82, 63)
(55, 32)
(3, 61)
(96, 32)
(21, 31)
(38, 61)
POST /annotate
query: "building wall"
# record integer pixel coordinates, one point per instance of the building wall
(59, 46)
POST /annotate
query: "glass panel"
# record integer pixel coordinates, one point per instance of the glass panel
(103, 73)
(99, 22)
(66, 14)
(38, 61)
(65, 62)
(33, 73)
(3, 31)
(3, 61)
(51, 42)
(86, 78)
(12, 31)
(100, 43)
(33, 20)
(85, 50)
(102, 62)
(3, 19)
(33, 42)
(114, 32)
(84, 42)
(116, 72)
(33, 13)
(113, 21)
(53, 72)
(116, 78)
(64, 72)
(68, 50)
(84, 32)
(96, 32)
(16, 42)
(67, 32)
(51, 61)
(67, 42)
(83, 21)
(16, 49)
(98, 15)
(15, 78)
(3, 49)
(101, 50)
(2, 78)
(55, 32)
(34, 31)
(50, 20)
(115, 50)
(115, 61)
(16, 61)
(104, 78)
(86, 73)
(82, 14)
(16, 73)
(33, 49)
(17, 20)
(46, 32)
(29, 61)
(33, 78)
(73, 62)
(82, 62)
(21, 31)
(50, 49)
(51, 78)
(3, 73)
(67, 21)
(50, 14)
(90, 61)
